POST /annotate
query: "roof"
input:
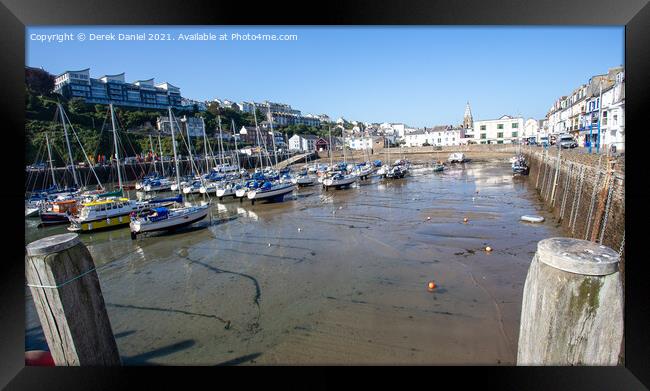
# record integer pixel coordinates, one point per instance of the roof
(106, 201)
(81, 70)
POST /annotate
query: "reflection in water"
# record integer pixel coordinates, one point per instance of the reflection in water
(335, 277)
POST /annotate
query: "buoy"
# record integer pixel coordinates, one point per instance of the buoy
(488, 249)
(340, 207)
(428, 218)
(299, 229)
(431, 286)
(269, 244)
(465, 220)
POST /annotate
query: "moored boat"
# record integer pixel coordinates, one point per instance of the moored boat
(165, 219)
(457, 157)
(339, 180)
(269, 190)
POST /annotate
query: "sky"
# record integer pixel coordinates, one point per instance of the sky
(421, 76)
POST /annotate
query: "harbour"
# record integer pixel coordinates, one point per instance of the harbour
(336, 277)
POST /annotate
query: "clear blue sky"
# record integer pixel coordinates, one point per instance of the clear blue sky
(422, 76)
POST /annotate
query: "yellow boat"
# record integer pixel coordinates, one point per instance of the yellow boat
(105, 214)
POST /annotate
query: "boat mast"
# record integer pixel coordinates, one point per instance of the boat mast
(205, 148)
(331, 152)
(189, 147)
(220, 142)
(257, 134)
(275, 152)
(49, 155)
(152, 153)
(171, 125)
(236, 149)
(117, 155)
(162, 161)
(67, 141)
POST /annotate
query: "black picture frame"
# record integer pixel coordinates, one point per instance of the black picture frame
(634, 14)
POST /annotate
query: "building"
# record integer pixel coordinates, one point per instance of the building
(114, 89)
(468, 121)
(436, 136)
(250, 135)
(531, 128)
(504, 130)
(303, 142)
(359, 143)
(190, 103)
(192, 125)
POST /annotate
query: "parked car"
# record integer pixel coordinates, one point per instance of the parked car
(566, 141)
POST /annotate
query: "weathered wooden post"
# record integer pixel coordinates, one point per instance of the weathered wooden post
(572, 309)
(62, 278)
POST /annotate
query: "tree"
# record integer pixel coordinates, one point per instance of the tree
(39, 81)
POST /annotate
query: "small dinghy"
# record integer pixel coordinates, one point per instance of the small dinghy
(532, 218)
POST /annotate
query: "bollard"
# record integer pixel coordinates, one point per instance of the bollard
(64, 284)
(572, 308)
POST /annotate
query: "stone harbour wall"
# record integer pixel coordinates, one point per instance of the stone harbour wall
(585, 192)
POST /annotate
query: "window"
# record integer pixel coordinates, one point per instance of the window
(615, 119)
(483, 136)
(500, 142)
(515, 125)
(500, 126)
(500, 135)
(483, 142)
(514, 134)
(482, 127)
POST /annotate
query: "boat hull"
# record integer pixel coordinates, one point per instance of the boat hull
(339, 183)
(260, 195)
(100, 224)
(50, 218)
(169, 224)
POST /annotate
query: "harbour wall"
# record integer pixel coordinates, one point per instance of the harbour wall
(584, 192)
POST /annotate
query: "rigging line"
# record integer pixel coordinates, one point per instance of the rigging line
(82, 149)
(192, 165)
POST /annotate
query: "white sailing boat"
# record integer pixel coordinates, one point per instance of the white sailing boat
(166, 219)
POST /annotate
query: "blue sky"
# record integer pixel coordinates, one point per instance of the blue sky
(422, 76)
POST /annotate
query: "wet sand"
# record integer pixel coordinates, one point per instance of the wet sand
(336, 277)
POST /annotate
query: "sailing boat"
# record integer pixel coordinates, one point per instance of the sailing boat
(166, 219)
(275, 189)
(338, 177)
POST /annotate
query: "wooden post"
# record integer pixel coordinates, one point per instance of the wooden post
(62, 278)
(572, 308)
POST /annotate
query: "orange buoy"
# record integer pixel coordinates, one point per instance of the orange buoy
(488, 249)
(431, 286)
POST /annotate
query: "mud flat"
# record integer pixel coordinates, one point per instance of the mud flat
(337, 277)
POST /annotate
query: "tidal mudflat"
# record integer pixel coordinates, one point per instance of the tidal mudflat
(328, 277)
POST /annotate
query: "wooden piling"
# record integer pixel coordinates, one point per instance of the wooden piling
(64, 284)
(572, 308)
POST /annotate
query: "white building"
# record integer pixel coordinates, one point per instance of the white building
(531, 128)
(303, 142)
(192, 125)
(359, 143)
(504, 130)
(437, 136)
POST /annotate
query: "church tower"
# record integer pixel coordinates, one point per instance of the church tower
(468, 122)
